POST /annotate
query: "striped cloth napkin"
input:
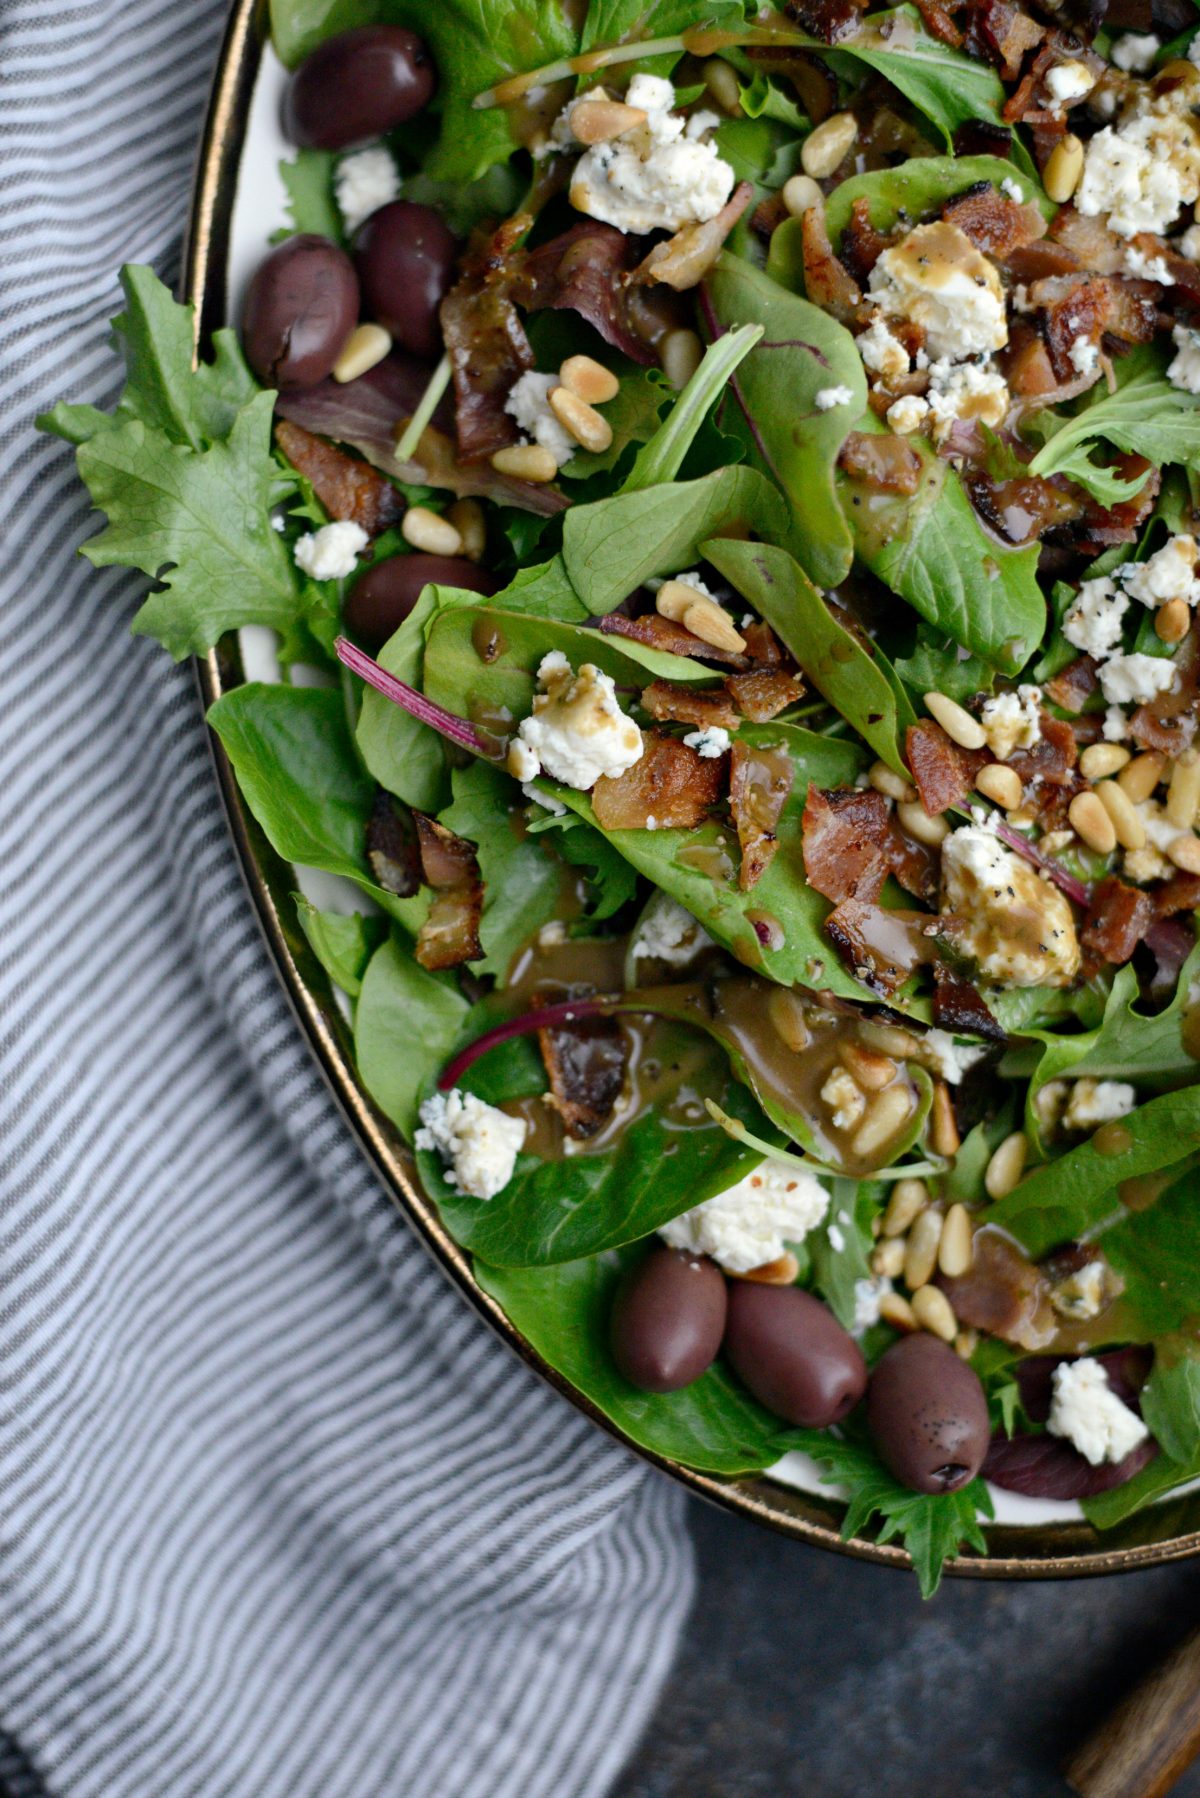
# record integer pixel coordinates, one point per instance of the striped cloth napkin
(279, 1516)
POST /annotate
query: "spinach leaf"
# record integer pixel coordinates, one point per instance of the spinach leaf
(1146, 416)
(522, 879)
(921, 186)
(404, 755)
(611, 880)
(942, 666)
(630, 21)
(1170, 1402)
(1156, 1251)
(1109, 1509)
(544, 591)
(308, 178)
(850, 677)
(465, 205)
(298, 26)
(663, 456)
(406, 1024)
(342, 942)
(803, 353)
(632, 415)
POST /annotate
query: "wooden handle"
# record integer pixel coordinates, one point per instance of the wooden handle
(1151, 1739)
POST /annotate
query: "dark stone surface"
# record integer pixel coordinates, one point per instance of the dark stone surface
(805, 1673)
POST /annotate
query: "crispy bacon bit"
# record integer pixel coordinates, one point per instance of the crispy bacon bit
(671, 784)
(1180, 893)
(827, 283)
(1073, 686)
(450, 934)
(1101, 527)
(760, 781)
(392, 848)
(1092, 306)
(667, 702)
(762, 693)
(994, 223)
(958, 1006)
(939, 24)
(1118, 918)
(1041, 261)
(1022, 509)
(1088, 241)
(830, 20)
(943, 772)
(486, 342)
(887, 464)
(847, 851)
(1003, 1294)
(882, 947)
(1000, 33)
(585, 1064)
(915, 865)
(762, 645)
(663, 633)
(348, 489)
(586, 270)
(683, 260)
(1052, 758)
(1168, 723)
(862, 244)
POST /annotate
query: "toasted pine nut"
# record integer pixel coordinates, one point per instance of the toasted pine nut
(365, 346)
(673, 599)
(957, 723)
(466, 515)
(784, 1271)
(1183, 790)
(965, 1343)
(888, 1259)
(1091, 822)
(1172, 621)
(944, 1138)
(676, 600)
(1184, 851)
(584, 423)
(786, 1012)
(1064, 166)
(934, 1312)
(598, 121)
(1000, 784)
(909, 1198)
(885, 780)
(823, 149)
(956, 1250)
(872, 1071)
(720, 78)
(589, 380)
(1131, 832)
(886, 1113)
(897, 1311)
(920, 1257)
(916, 823)
(889, 1039)
(1139, 779)
(429, 531)
(682, 354)
(800, 194)
(1006, 1166)
(1100, 759)
(525, 462)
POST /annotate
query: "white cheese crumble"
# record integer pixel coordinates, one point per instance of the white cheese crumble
(827, 398)
(751, 1222)
(1084, 356)
(882, 352)
(710, 742)
(478, 1143)
(965, 390)
(1012, 721)
(1135, 679)
(547, 801)
(1093, 624)
(331, 553)
(1168, 574)
(1143, 171)
(1116, 725)
(669, 934)
(576, 732)
(1189, 244)
(655, 177)
(1134, 51)
(1018, 929)
(948, 1058)
(867, 1294)
(1012, 190)
(1147, 268)
(1184, 369)
(1095, 1102)
(908, 413)
(937, 278)
(1087, 1412)
(365, 181)
(529, 403)
(1069, 81)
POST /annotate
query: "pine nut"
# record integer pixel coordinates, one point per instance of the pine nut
(916, 823)
(429, 531)
(934, 1312)
(957, 723)
(677, 601)
(1184, 851)
(1131, 832)
(784, 1271)
(722, 83)
(785, 1009)
(466, 515)
(888, 1259)
(589, 380)
(1001, 784)
(1100, 759)
(824, 149)
(1139, 779)
(1091, 823)
(872, 1071)
(801, 194)
(673, 599)
(965, 1343)
(920, 1258)
(366, 346)
(525, 462)
(909, 1198)
(599, 121)
(584, 423)
(956, 1250)
(1006, 1166)
(682, 354)
(886, 1112)
(1183, 790)
(1064, 166)
(889, 1039)
(897, 1311)
(1172, 621)
(944, 1138)
(885, 780)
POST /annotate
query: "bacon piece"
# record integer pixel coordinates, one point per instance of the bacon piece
(1073, 686)
(486, 342)
(944, 773)
(939, 24)
(586, 270)
(959, 1008)
(888, 464)
(915, 865)
(847, 851)
(1041, 261)
(1089, 240)
(392, 848)
(684, 259)
(883, 947)
(1180, 893)
(1022, 509)
(450, 934)
(1000, 33)
(762, 645)
(830, 20)
(666, 701)
(671, 783)
(1168, 723)
(1052, 758)
(827, 283)
(1003, 1293)
(762, 693)
(349, 490)
(663, 633)
(994, 223)
(1094, 307)
(760, 781)
(862, 244)
(585, 1063)
(1117, 920)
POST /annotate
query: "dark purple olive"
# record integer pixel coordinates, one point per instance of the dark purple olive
(927, 1415)
(300, 308)
(667, 1319)
(405, 258)
(357, 85)
(793, 1354)
(382, 597)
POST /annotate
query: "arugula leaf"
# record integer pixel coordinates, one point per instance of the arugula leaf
(406, 1025)
(342, 942)
(611, 879)
(633, 416)
(947, 86)
(1146, 416)
(308, 178)
(522, 879)
(786, 433)
(920, 186)
(1170, 1402)
(1109, 1509)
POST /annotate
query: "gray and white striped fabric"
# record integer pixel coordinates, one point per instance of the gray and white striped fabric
(278, 1514)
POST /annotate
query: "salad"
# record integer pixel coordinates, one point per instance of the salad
(721, 483)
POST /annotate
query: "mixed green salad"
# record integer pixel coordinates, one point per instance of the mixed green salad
(722, 484)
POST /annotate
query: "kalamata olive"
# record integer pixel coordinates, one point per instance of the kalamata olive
(383, 596)
(667, 1319)
(301, 306)
(405, 259)
(927, 1415)
(793, 1354)
(357, 85)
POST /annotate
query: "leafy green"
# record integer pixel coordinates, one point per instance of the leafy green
(543, 591)
(947, 86)
(342, 942)
(840, 1251)
(308, 178)
(633, 416)
(1170, 1402)
(404, 755)
(465, 205)
(1146, 416)
(522, 879)
(612, 882)
(1156, 1251)
(1109, 1509)
(406, 1024)
(662, 458)
(298, 26)
(918, 187)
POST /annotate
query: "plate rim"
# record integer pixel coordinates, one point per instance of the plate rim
(1054, 1550)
